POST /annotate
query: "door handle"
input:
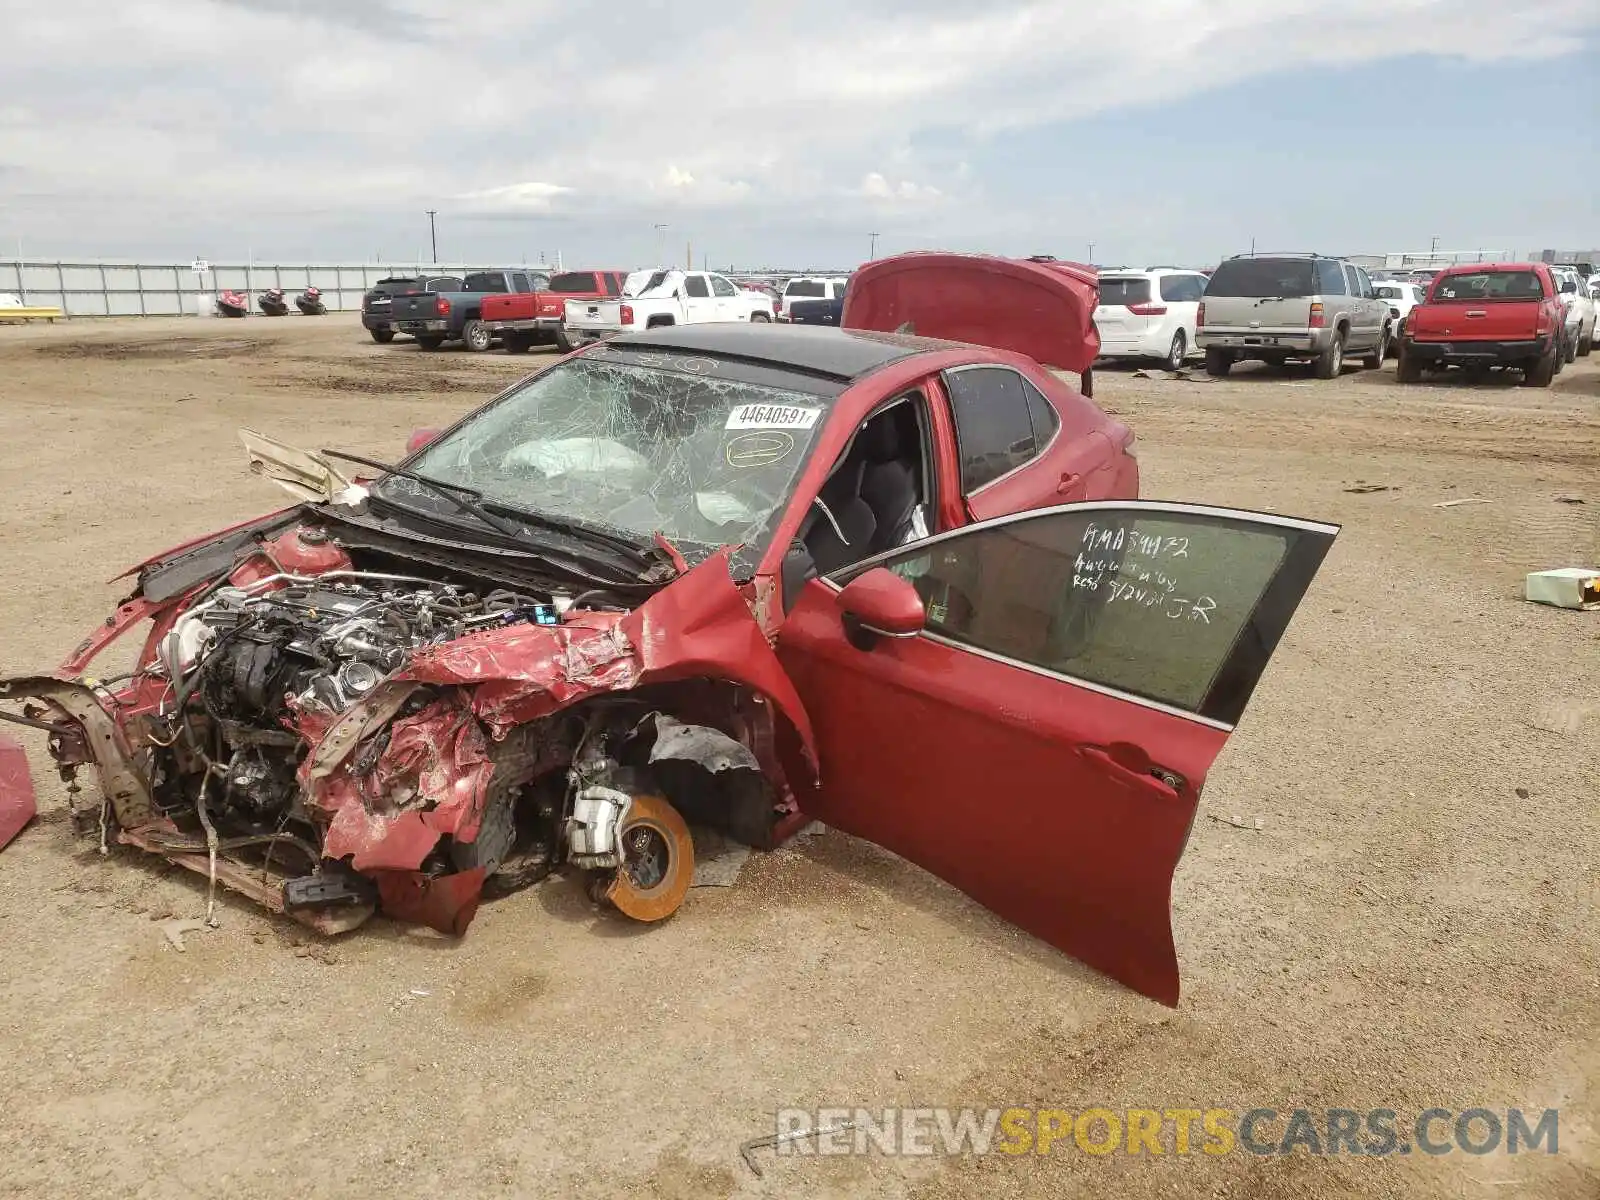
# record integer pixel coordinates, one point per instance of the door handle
(1069, 480)
(1128, 775)
(1477, 312)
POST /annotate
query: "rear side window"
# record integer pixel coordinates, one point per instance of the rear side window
(573, 282)
(1124, 291)
(993, 427)
(443, 283)
(1285, 278)
(1041, 415)
(611, 279)
(1489, 285)
(1182, 289)
(519, 282)
(695, 285)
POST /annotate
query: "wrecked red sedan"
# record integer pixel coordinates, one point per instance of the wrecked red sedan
(734, 575)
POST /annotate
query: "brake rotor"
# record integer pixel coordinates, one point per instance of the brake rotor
(657, 861)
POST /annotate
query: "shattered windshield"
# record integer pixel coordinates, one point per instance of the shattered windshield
(681, 450)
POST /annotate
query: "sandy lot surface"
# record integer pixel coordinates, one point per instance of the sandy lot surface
(1415, 924)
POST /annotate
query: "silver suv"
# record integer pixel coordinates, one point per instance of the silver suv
(1274, 307)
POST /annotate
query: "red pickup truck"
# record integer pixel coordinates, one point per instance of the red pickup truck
(1487, 315)
(524, 320)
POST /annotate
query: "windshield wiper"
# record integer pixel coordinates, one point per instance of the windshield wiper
(492, 513)
(468, 500)
(576, 525)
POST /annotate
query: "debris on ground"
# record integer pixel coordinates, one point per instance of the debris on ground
(17, 803)
(1565, 587)
(174, 931)
(1254, 824)
(1571, 500)
(1362, 489)
(1463, 500)
(1182, 373)
(718, 859)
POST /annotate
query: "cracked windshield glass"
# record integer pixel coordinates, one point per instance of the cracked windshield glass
(705, 461)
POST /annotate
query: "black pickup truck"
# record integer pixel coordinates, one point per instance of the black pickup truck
(439, 317)
(378, 304)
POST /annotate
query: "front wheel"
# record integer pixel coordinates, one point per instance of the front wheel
(476, 336)
(1569, 351)
(567, 342)
(1177, 351)
(1410, 369)
(1379, 352)
(657, 861)
(1218, 362)
(383, 336)
(760, 316)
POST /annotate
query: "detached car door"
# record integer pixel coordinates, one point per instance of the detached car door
(1041, 740)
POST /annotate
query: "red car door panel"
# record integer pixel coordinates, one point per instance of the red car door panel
(1042, 743)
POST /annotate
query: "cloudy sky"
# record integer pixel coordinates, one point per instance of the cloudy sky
(783, 133)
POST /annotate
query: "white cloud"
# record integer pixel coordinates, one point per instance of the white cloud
(834, 111)
(532, 194)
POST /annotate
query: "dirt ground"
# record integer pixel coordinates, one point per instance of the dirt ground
(1416, 922)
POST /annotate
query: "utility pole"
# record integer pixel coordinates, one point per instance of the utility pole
(433, 236)
(1433, 246)
(873, 253)
(661, 243)
(1091, 254)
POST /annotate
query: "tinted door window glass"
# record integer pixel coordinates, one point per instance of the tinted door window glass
(695, 286)
(722, 287)
(992, 423)
(1151, 604)
(1330, 279)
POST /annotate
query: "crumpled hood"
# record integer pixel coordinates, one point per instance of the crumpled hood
(432, 776)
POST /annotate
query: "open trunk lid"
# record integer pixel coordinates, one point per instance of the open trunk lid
(1044, 310)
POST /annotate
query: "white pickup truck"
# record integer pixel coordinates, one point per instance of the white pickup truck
(664, 298)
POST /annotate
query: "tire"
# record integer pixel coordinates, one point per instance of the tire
(1585, 345)
(1541, 372)
(476, 336)
(1569, 350)
(1218, 362)
(567, 343)
(1177, 351)
(1331, 361)
(516, 343)
(1409, 370)
(383, 335)
(760, 316)
(1379, 352)
(429, 341)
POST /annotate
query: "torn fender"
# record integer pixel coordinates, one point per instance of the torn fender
(698, 626)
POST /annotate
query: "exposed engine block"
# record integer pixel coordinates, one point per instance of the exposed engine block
(330, 641)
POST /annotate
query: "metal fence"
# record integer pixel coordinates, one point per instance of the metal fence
(112, 288)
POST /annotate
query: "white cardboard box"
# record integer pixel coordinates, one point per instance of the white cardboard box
(1566, 587)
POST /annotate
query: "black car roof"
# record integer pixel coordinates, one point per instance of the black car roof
(842, 354)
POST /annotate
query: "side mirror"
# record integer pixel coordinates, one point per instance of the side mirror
(879, 603)
(420, 438)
